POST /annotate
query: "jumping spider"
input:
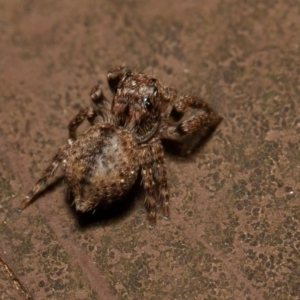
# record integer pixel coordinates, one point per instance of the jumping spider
(124, 140)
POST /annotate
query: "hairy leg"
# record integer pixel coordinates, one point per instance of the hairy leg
(160, 176)
(205, 118)
(57, 159)
(186, 102)
(115, 76)
(154, 178)
(84, 113)
(98, 112)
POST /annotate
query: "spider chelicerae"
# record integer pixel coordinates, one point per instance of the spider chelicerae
(125, 140)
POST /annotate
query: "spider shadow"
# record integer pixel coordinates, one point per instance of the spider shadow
(106, 215)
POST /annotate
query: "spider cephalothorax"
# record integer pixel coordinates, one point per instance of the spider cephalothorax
(103, 163)
(138, 103)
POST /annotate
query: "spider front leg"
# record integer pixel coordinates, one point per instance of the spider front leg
(154, 179)
(57, 159)
(207, 119)
(101, 105)
(115, 76)
(84, 113)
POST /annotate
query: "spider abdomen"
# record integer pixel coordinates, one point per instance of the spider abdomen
(102, 165)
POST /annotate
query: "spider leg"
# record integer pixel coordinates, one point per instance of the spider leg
(148, 184)
(181, 106)
(84, 113)
(160, 176)
(57, 159)
(100, 109)
(154, 177)
(190, 127)
(115, 76)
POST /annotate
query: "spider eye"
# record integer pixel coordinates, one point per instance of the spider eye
(146, 102)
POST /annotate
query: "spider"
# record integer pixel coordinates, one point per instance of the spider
(125, 140)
